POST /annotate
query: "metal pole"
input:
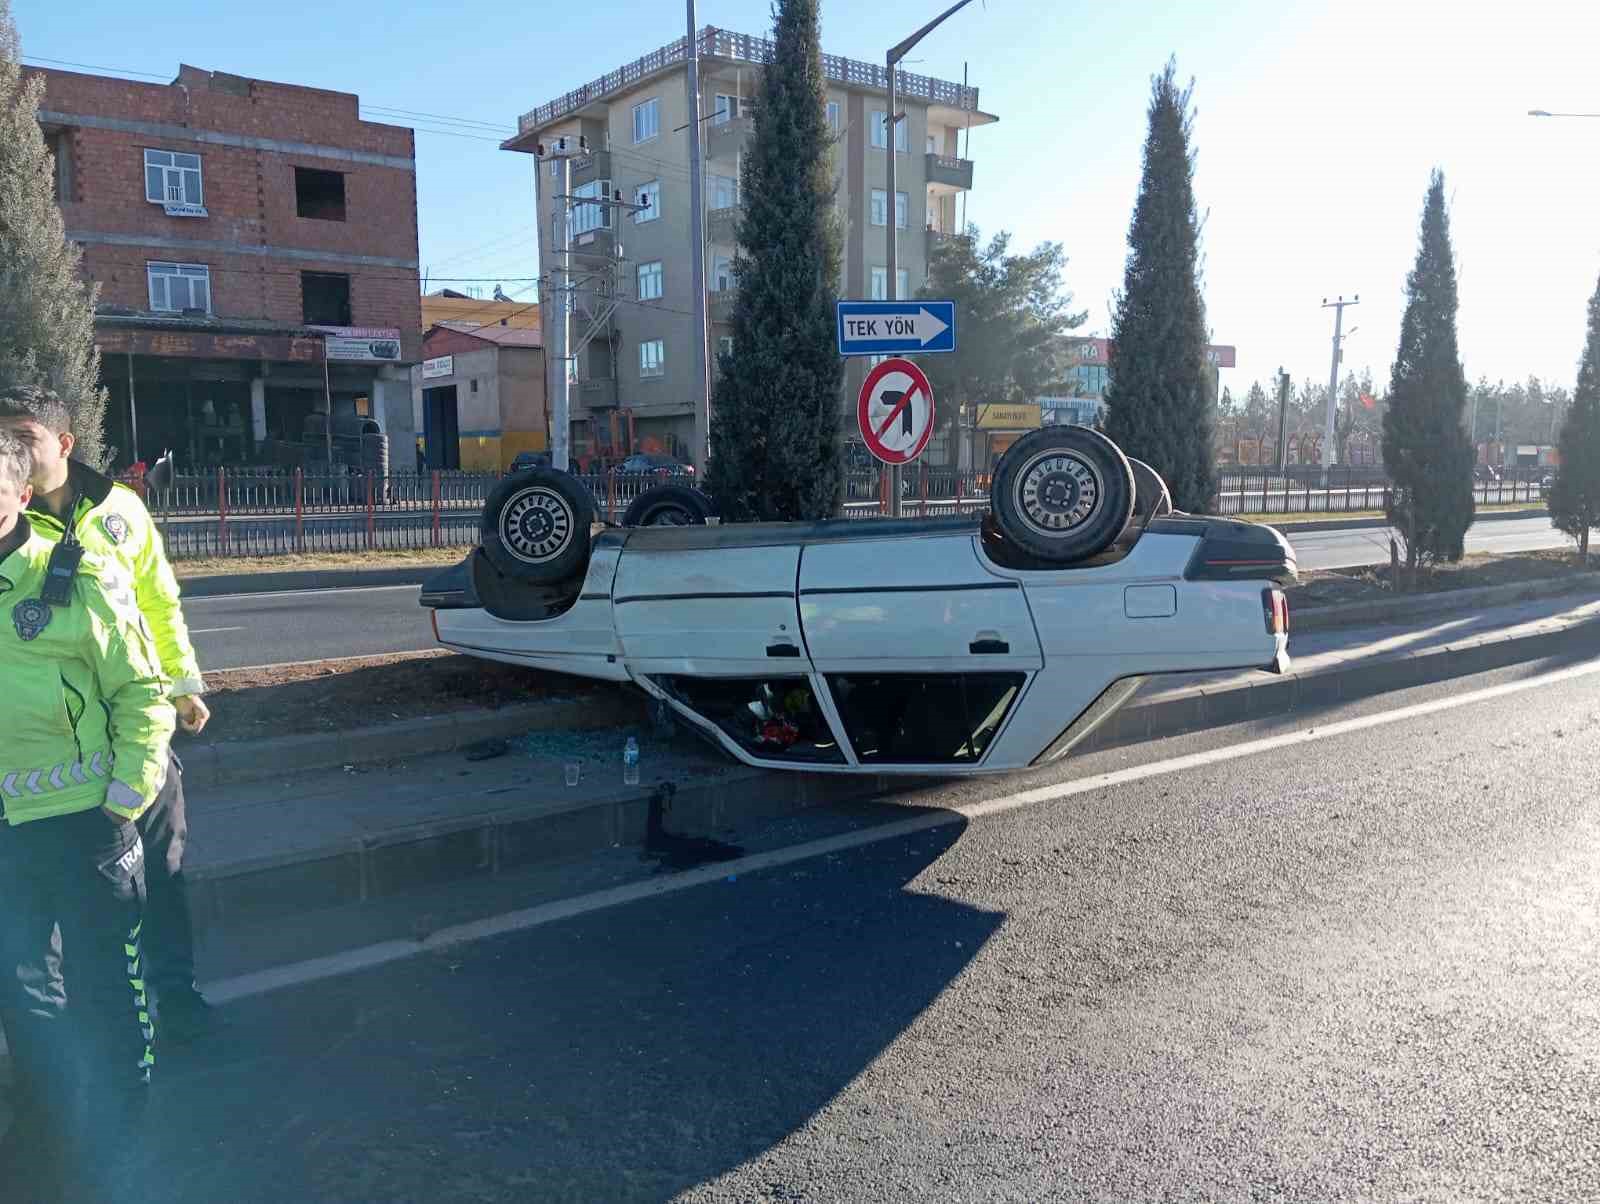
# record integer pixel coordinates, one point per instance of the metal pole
(1329, 436)
(889, 226)
(327, 397)
(563, 326)
(697, 240)
(133, 413)
(1283, 418)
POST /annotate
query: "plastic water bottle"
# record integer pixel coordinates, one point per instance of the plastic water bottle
(630, 762)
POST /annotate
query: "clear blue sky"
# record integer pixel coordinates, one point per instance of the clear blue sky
(1317, 127)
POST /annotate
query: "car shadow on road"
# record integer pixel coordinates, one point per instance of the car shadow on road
(628, 1054)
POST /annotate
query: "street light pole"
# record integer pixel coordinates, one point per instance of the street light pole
(697, 257)
(891, 216)
(1329, 434)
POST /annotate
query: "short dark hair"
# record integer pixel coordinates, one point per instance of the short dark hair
(35, 404)
(16, 461)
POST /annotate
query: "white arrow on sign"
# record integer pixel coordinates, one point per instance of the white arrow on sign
(927, 326)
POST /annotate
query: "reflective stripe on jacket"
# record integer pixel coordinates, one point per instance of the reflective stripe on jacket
(111, 522)
(84, 704)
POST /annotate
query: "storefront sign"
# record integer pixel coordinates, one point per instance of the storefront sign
(371, 345)
(1023, 417)
(187, 344)
(440, 365)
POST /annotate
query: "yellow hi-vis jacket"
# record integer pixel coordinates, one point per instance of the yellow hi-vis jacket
(83, 704)
(111, 522)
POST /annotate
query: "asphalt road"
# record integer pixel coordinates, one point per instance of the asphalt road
(262, 629)
(1360, 966)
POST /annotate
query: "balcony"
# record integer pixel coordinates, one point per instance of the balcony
(597, 393)
(596, 165)
(719, 305)
(725, 137)
(722, 225)
(936, 239)
(946, 174)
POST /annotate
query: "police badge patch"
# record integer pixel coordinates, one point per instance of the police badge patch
(116, 527)
(31, 616)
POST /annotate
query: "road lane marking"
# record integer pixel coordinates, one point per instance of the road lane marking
(202, 599)
(212, 630)
(383, 953)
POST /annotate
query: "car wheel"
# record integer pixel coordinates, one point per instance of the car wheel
(1062, 493)
(536, 526)
(1151, 498)
(668, 506)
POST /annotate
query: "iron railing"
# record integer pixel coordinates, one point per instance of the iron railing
(1342, 489)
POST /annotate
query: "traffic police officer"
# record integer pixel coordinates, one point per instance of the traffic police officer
(89, 513)
(87, 727)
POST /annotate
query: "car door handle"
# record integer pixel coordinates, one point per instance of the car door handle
(989, 647)
(782, 650)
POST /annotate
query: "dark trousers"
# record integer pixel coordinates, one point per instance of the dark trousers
(75, 1006)
(168, 929)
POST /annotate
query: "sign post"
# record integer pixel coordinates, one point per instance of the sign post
(895, 412)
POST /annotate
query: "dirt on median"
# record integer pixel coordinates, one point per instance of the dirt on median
(283, 700)
(1370, 583)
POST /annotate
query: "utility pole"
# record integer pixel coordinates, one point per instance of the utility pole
(1330, 435)
(1283, 417)
(891, 126)
(697, 252)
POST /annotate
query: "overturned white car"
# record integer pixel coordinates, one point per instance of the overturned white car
(943, 646)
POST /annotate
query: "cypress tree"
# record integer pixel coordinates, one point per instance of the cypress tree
(775, 429)
(1160, 403)
(1425, 443)
(1575, 497)
(46, 311)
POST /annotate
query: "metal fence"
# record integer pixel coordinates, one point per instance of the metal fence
(1312, 490)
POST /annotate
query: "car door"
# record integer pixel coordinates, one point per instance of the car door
(924, 652)
(714, 631)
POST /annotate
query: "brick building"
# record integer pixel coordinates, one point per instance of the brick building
(256, 250)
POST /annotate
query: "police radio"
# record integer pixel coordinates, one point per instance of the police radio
(61, 569)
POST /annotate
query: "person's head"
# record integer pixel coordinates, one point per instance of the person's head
(39, 418)
(16, 467)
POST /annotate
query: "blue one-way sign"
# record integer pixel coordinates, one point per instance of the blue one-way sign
(896, 327)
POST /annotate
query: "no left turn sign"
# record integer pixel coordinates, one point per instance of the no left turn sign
(895, 411)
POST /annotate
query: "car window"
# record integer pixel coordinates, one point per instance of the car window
(923, 719)
(774, 718)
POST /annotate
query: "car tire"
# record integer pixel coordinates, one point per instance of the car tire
(668, 506)
(1151, 497)
(1062, 493)
(536, 526)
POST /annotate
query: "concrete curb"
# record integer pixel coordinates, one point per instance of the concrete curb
(1388, 610)
(1377, 524)
(217, 763)
(217, 584)
(265, 894)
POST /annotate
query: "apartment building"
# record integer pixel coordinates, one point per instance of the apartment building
(255, 245)
(640, 362)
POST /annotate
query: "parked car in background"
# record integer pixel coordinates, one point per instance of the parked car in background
(526, 460)
(652, 464)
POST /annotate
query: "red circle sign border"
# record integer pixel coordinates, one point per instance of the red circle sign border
(864, 400)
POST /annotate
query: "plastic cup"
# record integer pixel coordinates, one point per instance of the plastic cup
(574, 771)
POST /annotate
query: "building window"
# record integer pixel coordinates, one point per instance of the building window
(880, 207)
(933, 145)
(325, 298)
(59, 143)
(650, 281)
(172, 179)
(319, 194)
(721, 273)
(725, 108)
(724, 192)
(474, 388)
(652, 357)
(725, 344)
(587, 214)
(646, 120)
(902, 210)
(880, 284)
(833, 114)
(880, 132)
(650, 198)
(175, 287)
